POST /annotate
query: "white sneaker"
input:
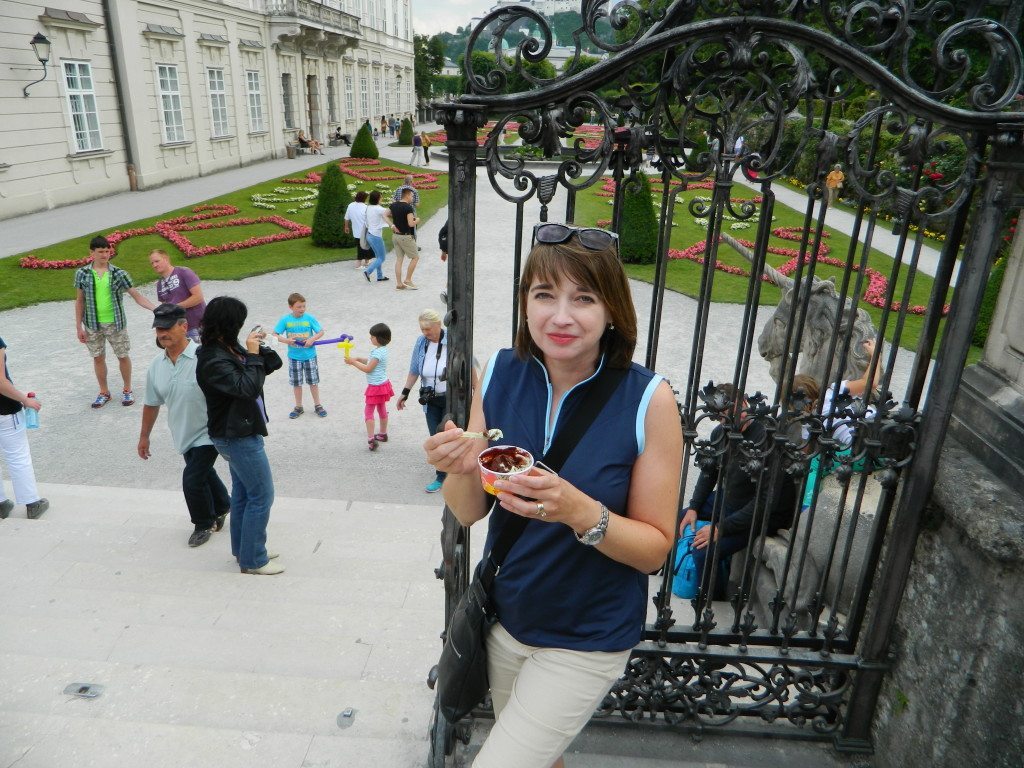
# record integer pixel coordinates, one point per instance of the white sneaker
(270, 569)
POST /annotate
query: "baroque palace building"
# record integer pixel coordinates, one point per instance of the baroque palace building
(139, 93)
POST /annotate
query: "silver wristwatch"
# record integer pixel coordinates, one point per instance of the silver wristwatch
(594, 536)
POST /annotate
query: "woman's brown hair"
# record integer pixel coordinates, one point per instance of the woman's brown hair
(602, 273)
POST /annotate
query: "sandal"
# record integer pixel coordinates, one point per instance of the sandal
(296, 412)
(320, 411)
(372, 443)
(101, 399)
(381, 437)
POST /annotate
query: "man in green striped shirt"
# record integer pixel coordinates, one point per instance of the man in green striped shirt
(99, 316)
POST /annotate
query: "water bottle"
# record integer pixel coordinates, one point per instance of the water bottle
(31, 415)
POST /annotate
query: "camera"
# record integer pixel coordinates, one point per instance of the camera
(426, 395)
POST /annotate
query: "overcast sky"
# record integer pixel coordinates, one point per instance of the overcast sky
(432, 16)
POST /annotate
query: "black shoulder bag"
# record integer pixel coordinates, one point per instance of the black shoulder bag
(462, 671)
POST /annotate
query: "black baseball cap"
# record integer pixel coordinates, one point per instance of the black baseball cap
(167, 316)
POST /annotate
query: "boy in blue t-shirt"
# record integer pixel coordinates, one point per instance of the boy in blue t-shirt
(299, 330)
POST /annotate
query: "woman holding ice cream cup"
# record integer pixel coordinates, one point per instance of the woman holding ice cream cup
(571, 595)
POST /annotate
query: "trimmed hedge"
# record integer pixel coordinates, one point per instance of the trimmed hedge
(988, 302)
(405, 133)
(328, 219)
(364, 145)
(638, 235)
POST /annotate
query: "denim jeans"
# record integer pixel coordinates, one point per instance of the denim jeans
(727, 546)
(434, 410)
(252, 493)
(205, 494)
(377, 246)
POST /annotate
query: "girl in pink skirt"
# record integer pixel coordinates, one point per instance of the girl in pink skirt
(378, 388)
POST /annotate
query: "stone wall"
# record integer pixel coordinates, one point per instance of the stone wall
(954, 696)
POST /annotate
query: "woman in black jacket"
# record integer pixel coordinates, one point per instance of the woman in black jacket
(232, 377)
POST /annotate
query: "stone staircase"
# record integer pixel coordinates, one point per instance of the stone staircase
(203, 666)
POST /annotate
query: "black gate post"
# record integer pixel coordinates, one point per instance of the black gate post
(461, 125)
(1005, 166)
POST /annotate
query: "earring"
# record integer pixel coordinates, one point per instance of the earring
(611, 326)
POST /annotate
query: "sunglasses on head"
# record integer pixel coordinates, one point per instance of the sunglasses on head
(590, 238)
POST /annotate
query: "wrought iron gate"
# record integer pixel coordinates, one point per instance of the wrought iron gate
(730, 96)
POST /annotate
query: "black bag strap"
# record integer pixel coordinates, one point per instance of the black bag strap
(568, 437)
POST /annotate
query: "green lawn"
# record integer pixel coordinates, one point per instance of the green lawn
(32, 286)
(684, 275)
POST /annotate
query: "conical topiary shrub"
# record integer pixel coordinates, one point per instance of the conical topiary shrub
(364, 145)
(638, 235)
(405, 133)
(328, 219)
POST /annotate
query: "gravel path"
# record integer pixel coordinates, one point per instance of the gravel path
(313, 457)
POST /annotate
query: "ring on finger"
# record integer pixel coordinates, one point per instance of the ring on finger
(540, 509)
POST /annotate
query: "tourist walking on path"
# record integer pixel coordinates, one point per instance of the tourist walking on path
(14, 445)
(100, 317)
(403, 220)
(231, 377)
(181, 286)
(425, 141)
(378, 388)
(571, 595)
(171, 381)
(429, 363)
(376, 218)
(355, 225)
(417, 148)
(834, 184)
(396, 196)
(299, 330)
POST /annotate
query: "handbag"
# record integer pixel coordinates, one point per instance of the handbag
(462, 681)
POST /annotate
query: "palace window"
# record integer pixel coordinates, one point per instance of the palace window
(170, 102)
(218, 102)
(82, 106)
(255, 98)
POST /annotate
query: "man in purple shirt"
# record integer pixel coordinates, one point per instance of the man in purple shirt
(179, 285)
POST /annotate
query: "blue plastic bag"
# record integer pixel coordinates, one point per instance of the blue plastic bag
(687, 580)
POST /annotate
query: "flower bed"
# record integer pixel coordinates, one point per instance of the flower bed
(371, 171)
(875, 293)
(171, 229)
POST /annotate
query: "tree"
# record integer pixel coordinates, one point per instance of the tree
(364, 145)
(328, 218)
(428, 56)
(638, 236)
(405, 133)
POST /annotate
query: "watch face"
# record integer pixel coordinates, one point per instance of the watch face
(592, 537)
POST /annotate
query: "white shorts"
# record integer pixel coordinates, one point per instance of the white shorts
(542, 699)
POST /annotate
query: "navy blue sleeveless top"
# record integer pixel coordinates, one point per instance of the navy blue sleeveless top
(552, 591)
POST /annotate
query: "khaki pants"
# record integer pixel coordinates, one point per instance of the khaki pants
(405, 246)
(542, 699)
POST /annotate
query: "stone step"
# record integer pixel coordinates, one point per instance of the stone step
(613, 744)
(202, 665)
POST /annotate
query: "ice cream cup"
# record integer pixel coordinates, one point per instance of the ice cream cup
(488, 476)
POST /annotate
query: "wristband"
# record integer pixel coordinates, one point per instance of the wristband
(405, 393)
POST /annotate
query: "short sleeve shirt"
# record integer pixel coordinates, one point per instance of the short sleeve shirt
(299, 328)
(174, 385)
(400, 215)
(380, 372)
(177, 287)
(375, 219)
(356, 214)
(120, 281)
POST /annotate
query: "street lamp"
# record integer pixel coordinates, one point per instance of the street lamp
(41, 48)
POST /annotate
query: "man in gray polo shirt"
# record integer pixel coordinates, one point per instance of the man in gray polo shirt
(171, 379)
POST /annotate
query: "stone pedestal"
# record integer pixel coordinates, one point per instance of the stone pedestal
(953, 697)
